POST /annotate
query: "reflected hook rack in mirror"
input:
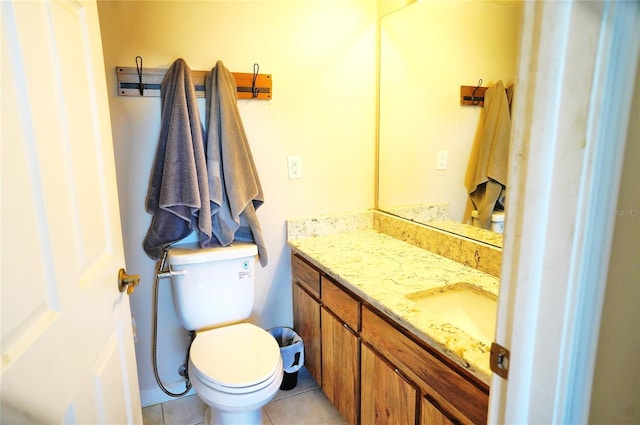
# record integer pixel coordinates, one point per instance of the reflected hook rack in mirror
(472, 95)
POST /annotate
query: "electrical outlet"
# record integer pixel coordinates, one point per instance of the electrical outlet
(295, 166)
(441, 161)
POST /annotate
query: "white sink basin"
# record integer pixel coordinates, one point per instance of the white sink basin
(464, 306)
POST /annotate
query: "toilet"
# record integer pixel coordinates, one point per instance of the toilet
(234, 366)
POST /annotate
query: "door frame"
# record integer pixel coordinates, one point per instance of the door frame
(568, 146)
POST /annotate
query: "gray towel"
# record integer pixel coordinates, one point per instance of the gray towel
(234, 185)
(488, 166)
(178, 195)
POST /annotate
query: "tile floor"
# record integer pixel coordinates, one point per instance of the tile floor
(304, 404)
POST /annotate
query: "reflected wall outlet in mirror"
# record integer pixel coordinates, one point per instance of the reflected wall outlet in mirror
(294, 163)
(441, 161)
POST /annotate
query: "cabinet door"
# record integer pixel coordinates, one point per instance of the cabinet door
(340, 357)
(386, 397)
(431, 415)
(306, 322)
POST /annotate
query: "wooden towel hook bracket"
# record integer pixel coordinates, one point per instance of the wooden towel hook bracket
(134, 82)
(472, 95)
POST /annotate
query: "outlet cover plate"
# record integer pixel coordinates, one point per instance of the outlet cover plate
(441, 162)
(294, 163)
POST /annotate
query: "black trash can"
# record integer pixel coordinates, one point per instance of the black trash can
(292, 352)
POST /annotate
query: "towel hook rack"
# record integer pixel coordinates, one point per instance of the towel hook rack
(139, 70)
(472, 95)
(132, 82)
(254, 89)
(476, 100)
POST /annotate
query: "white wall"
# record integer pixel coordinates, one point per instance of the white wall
(321, 54)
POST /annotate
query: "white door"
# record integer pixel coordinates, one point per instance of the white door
(67, 342)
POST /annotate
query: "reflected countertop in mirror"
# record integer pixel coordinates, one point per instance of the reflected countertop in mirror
(470, 232)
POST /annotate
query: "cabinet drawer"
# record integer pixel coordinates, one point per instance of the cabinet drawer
(461, 393)
(341, 304)
(306, 275)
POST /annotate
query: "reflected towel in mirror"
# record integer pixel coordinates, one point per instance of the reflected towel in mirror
(486, 177)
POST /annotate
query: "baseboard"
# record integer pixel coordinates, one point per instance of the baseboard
(156, 395)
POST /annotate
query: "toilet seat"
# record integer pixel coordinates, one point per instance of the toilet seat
(236, 358)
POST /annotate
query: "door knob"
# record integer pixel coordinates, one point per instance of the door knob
(127, 282)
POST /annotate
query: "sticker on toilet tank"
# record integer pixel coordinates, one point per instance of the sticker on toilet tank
(246, 270)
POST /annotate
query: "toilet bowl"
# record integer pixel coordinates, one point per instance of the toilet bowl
(234, 366)
(236, 370)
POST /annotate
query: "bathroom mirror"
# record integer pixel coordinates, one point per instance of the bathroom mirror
(428, 49)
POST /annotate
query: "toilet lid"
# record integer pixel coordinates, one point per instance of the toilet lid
(235, 356)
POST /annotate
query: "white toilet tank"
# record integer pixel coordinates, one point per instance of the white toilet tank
(213, 286)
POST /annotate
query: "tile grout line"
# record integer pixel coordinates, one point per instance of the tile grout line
(296, 394)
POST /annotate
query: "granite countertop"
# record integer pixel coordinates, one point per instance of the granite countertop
(382, 270)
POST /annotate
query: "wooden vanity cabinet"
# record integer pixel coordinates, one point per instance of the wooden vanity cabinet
(371, 368)
(306, 313)
(340, 320)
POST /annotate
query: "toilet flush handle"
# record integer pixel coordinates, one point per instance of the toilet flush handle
(170, 273)
(127, 282)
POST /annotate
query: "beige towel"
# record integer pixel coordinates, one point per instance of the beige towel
(489, 163)
(234, 185)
